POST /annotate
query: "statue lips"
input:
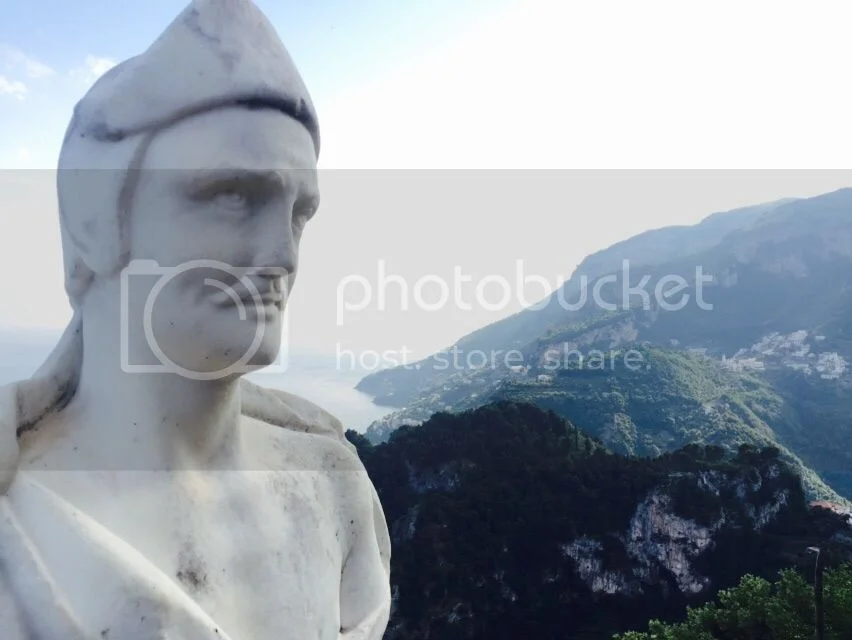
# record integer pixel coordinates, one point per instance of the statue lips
(265, 296)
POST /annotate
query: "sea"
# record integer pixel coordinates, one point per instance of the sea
(313, 376)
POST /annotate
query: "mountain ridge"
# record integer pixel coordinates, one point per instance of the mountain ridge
(781, 312)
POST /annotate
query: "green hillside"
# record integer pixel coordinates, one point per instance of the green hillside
(509, 522)
(663, 401)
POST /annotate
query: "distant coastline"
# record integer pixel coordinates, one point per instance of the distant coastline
(310, 375)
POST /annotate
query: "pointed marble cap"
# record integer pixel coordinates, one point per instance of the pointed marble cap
(215, 53)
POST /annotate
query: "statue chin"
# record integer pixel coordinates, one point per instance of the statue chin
(229, 358)
(269, 354)
(227, 343)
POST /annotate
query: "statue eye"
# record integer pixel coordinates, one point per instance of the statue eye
(232, 198)
(301, 214)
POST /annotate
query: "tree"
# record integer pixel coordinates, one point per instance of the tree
(759, 610)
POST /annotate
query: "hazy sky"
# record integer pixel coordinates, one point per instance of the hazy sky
(450, 130)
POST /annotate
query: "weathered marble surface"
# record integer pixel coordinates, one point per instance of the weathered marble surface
(136, 506)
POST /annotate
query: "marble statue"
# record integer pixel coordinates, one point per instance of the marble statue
(148, 490)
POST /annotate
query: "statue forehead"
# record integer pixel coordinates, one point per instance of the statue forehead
(251, 139)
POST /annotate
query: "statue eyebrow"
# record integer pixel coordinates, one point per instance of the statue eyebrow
(210, 178)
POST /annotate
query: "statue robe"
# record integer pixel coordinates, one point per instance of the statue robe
(65, 576)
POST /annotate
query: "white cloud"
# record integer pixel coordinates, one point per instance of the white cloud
(14, 88)
(93, 68)
(18, 60)
(35, 69)
(98, 65)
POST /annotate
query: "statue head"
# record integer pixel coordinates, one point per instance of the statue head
(192, 167)
(194, 164)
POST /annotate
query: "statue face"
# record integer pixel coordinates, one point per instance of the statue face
(220, 205)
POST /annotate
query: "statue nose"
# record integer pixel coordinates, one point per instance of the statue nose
(276, 255)
(274, 267)
(271, 280)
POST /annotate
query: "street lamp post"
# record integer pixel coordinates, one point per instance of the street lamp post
(819, 613)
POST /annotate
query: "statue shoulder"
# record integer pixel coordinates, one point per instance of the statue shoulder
(290, 411)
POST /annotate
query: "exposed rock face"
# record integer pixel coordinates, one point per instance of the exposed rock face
(611, 336)
(584, 551)
(658, 541)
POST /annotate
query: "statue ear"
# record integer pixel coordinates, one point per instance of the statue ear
(91, 176)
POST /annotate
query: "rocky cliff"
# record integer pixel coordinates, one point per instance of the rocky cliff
(509, 522)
